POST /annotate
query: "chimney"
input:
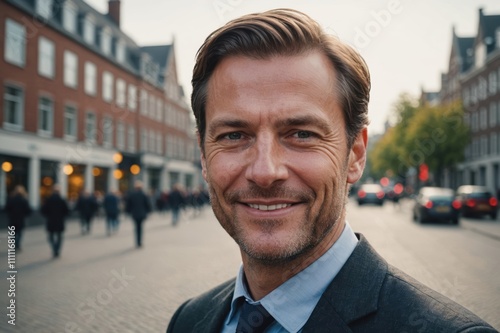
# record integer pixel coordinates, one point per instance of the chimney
(114, 11)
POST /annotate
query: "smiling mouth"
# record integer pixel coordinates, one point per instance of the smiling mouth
(269, 207)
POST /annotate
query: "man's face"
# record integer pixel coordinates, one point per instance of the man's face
(275, 154)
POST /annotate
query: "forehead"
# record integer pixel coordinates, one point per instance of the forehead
(277, 82)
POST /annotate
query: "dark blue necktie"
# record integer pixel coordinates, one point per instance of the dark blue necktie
(253, 319)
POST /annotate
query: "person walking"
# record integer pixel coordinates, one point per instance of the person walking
(55, 210)
(17, 209)
(111, 206)
(86, 206)
(176, 201)
(138, 206)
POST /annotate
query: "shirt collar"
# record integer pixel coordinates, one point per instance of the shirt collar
(292, 303)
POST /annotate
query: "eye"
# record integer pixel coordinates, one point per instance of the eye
(303, 134)
(233, 136)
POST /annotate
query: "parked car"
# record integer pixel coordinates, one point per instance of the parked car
(477, 201)
(371, 193)
(436, 204)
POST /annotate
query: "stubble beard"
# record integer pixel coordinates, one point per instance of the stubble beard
(305, 239)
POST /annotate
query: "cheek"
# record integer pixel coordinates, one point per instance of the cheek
(223, 170)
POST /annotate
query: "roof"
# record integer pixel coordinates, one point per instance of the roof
(465, 46)
(488, 24)
(159, 53)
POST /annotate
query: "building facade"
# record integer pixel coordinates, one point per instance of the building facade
(480, 92)
(85, 107)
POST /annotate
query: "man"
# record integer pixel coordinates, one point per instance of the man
(55, 209)
(281, 110)
(138, 206)
(176, 202)
(111, 204)
(86, 206)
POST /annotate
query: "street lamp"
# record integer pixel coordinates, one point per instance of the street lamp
(7, 166)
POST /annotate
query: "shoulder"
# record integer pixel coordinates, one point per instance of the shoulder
(204, 310)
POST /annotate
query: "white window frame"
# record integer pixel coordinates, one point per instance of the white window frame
(44, 8)
(144, 140)
(89, 30)
(131, 139)
(120, 135)
(71, 114)
(69, 16)
(15, 43)
(159, 144)
(483, 119)
(493, 83)
(493, 114)
(106, 39)
(121, 49)
(18, 101)
(121, 90)
(107, 86)
(45, 110)
(152, 141)
(132, 97)
(152, 106)
(70, 69)
(493, 143)
(159, 109)
(107, 132)
(91, 127)
(144, 102)
(46, 57)
(90, 84)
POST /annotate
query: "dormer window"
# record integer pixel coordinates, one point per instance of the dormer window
(120, 51)
(44, 8)
(69, 16)
(480, 55)
(106, 41)
(89, 30)
(497, 38)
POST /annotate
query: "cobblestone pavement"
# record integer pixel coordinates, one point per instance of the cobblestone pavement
(105, 284)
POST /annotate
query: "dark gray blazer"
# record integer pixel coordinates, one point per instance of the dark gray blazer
(367, 295)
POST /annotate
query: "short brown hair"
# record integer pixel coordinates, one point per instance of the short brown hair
(284, 32)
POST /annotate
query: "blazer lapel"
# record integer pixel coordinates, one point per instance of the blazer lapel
(353, 293)
(214, 319)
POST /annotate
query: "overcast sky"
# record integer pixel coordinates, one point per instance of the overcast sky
(405, 43)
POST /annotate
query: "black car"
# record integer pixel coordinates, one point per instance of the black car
(436, 204)
(477, 201)
(371, 193)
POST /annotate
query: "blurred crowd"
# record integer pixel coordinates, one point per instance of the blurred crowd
(136, 203)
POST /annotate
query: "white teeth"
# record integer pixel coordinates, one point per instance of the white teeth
(271, 207)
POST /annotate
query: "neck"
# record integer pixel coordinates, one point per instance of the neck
(263, 278)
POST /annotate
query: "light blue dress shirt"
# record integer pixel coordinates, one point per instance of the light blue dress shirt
(293, 302)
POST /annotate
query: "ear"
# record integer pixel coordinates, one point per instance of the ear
(202, 157)
(357, 157)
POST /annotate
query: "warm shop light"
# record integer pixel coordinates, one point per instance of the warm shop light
(117, 158)
(47, 181)
(7, 166)
(135, 169)
(118, 174)
(68, 169)
(96, 172)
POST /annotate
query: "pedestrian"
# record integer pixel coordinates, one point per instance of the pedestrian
(111, 204)
(55, 209)
(176, 202)
(86, 206)
(138, 206)
(281, 112)
(17, 209)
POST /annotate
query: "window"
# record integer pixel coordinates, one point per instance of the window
(89, 30)
(106, 41)
(159, 143)
(90, 128)
(170, 146)
(44, 8)
(493, 114)
(90, 78)
(69, 16)
(493, 83)
(483, 118)
(107, 86)
(493, 143)
(15, 43)
(107, 132)
(132, 97)
(484, 146)
(131, 139)
(120, 136)
(45, 116)
(70, 124)
(475, 122)
(483, 89)
(120, 51)
(152, 106)
(159, 109)
(46, 57)
(144, 140)
(144, 102)
(70, 69)
(120, 92)
(152, 139)
(13, 106)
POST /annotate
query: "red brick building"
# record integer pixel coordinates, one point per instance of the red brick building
(86, 107)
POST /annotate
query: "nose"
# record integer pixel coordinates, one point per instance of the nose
(267, 164)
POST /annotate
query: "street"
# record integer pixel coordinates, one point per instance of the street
(105, 284)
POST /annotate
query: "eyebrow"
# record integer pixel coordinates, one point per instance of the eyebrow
(233, 123)
(304, 121)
